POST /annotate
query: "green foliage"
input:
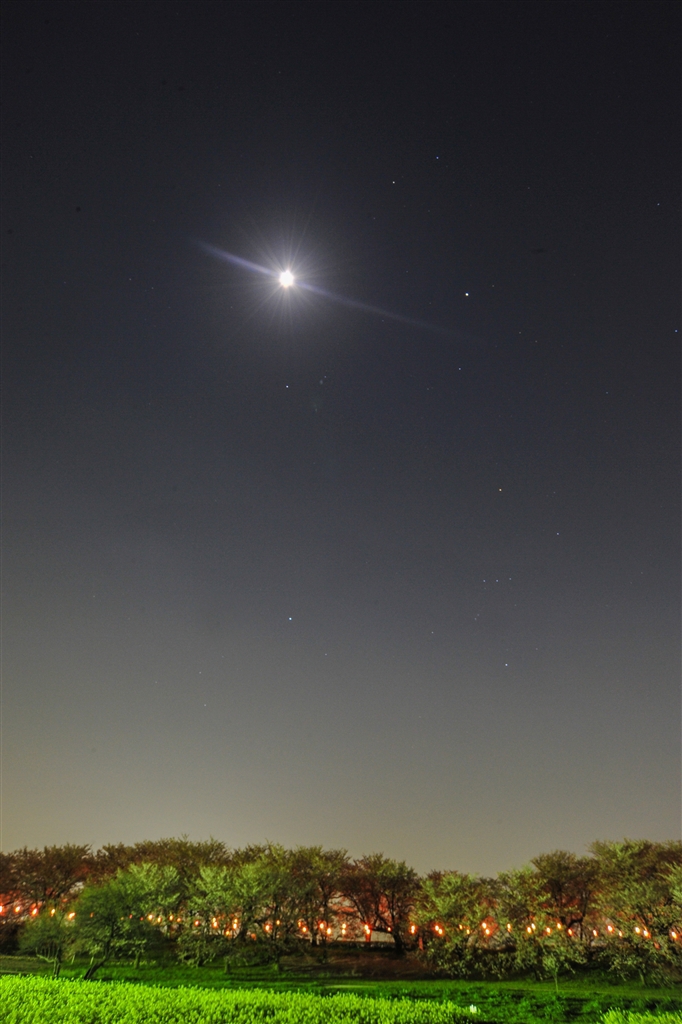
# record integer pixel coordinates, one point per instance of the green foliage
(184, 856)
(631, 1017)
(535, 911)
(449, 912)
(568, 886)
(639, 900)
(581, 1002)
(37, 1001)
(618, 910)
(118, 918)
(317, 877)
(48, 936)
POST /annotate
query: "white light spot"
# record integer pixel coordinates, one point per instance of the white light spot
(286, 279)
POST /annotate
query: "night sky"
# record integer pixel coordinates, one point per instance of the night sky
(278, 567)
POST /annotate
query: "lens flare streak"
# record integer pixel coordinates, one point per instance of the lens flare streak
(286, 279)
(365, 307)
(237, 261)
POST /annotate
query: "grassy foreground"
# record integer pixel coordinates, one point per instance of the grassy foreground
(37, 1000)
(40, 1001)
(377, 978)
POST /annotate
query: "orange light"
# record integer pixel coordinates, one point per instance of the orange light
(637, 929)
(529, 930)
(609, 928)
(595, 932)
(509, 927)
(52, 912)
(367, 929)
(329, 931)
(34, 912)
(646, 934)
(570, 931)
(548, 930)
(413, 928)
(72, 915)
(558, 925)
(17, 909)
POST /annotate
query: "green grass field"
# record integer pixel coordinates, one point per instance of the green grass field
(39, 1000)
(346, 986)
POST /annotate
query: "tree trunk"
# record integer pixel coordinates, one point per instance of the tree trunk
(92, 968)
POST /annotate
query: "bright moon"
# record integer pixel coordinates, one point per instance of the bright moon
(286, 279)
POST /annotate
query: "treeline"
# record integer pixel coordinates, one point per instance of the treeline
(618, 909)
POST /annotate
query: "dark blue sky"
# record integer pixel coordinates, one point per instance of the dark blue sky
(276, 567)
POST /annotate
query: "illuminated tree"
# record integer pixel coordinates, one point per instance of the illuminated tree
(568, 889)
(121, 916)
(185, 856)
(317, 877)
(639, 907)
(384, 893)
(449, 914)
(207, 912)
(48, 936)
(51, 875)
(9, 881)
